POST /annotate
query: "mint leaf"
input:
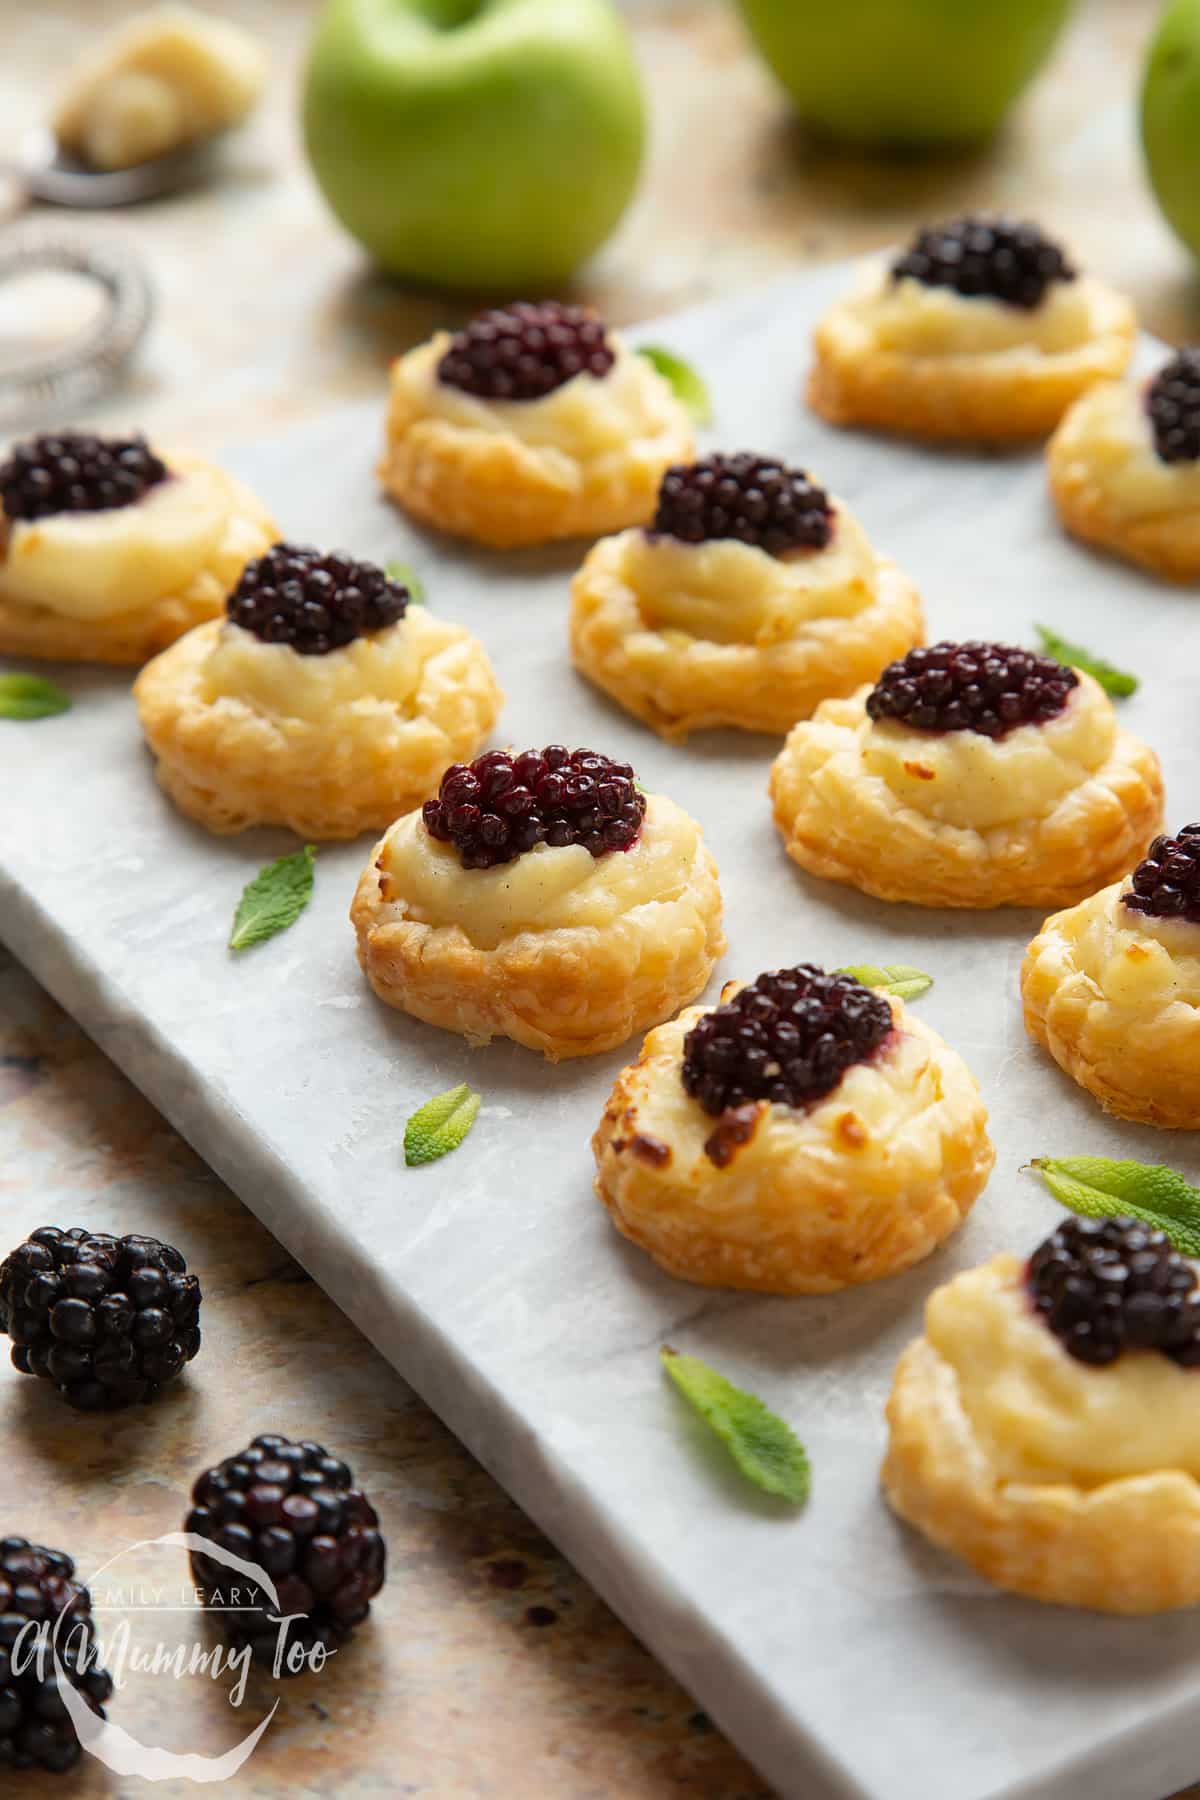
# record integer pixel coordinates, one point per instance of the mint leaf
(274, 899)
(1114, 681)
(31, 697)
(1103, 1189)
(687, 385)
(408, 578)
(765, 1449)
(894, 978)
(440, 1125)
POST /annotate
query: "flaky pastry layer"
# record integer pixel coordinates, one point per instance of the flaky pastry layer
(865, 1182)
(652, 936)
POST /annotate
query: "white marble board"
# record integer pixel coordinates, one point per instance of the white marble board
(844, 1656)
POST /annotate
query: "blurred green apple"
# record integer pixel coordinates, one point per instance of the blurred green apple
(488, 144)
(1171, 118)
(922, 72)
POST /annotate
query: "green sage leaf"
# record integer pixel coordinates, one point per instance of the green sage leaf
(688, 386)
(765, 1449)
(440, 1125)
(1102, 1189)
(894, 978)
(274, 899)
(1114, 681)
(31, 697)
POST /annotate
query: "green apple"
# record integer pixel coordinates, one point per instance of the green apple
(1171, 118)
(486, 144)
(922, 72)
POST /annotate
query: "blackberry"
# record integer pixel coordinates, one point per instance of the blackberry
(37, 1585)
(1166, 885)
(788, 1037)
(985, 256)
(312, 600)
(524, 351)
(294, 1510)
(504, 803)
(74, 472)
(1108, 1285)
(108, 1320)
(755, 499)
(1173, 402)
(989, 688)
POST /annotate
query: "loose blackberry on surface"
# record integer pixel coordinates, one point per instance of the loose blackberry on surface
(37, 1586)
(525, 351)
(503, 803)
(1166, 884)
(985, 256)
(1173, 403)
(788, 1037)
(973, 686)
(109, 1321)
(293, 1509)
(757, 500)
(312, 600)
(76, 472)
(1104, 1286)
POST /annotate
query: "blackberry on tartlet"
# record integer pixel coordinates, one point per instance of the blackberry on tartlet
(1105, 1286)
(45, 1618)
(504, 804)
(525, 351)
(1173, 404)
(295, 1511)
(109, 1321)
(756, 500)
(989, 688)
(985, 256)
(314, 601)
(76, 472)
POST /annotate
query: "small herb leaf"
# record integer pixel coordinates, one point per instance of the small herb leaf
(687, 385)
(894, 978)
(1103, 1189)
(765, 1449)
(440, 1125)
(1114, 681)
(31, 697)
(408, 578)
(274, 899)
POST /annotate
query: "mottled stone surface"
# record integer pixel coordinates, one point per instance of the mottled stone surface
(490, 1669)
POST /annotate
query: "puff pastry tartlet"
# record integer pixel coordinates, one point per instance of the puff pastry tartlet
(981, 331)
(1045, 1427)
(970, 775)
(534, 423)
(109, 551)
(1124, 468)
(324, 701)
(541, 897)
(805, 1134)
(750, 598)
(1111, 988)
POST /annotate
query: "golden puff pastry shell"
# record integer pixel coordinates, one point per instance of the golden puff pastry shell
(1111, 488)
(842, 820)
(1011, 393)
(586, 459)
(687, 636)
(562, 952)
(1122, 1539)
(248, 733)
(865, 1182)
(186, 585)
(1115, 998)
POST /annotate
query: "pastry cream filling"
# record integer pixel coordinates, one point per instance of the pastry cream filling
(383, 667)
(585, 419)
(547, 888)
(1109, 432)
(963, 778)
(1137, 962)
(97, 565)
(1041, 1415)
(731, 593)
(907, 316)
